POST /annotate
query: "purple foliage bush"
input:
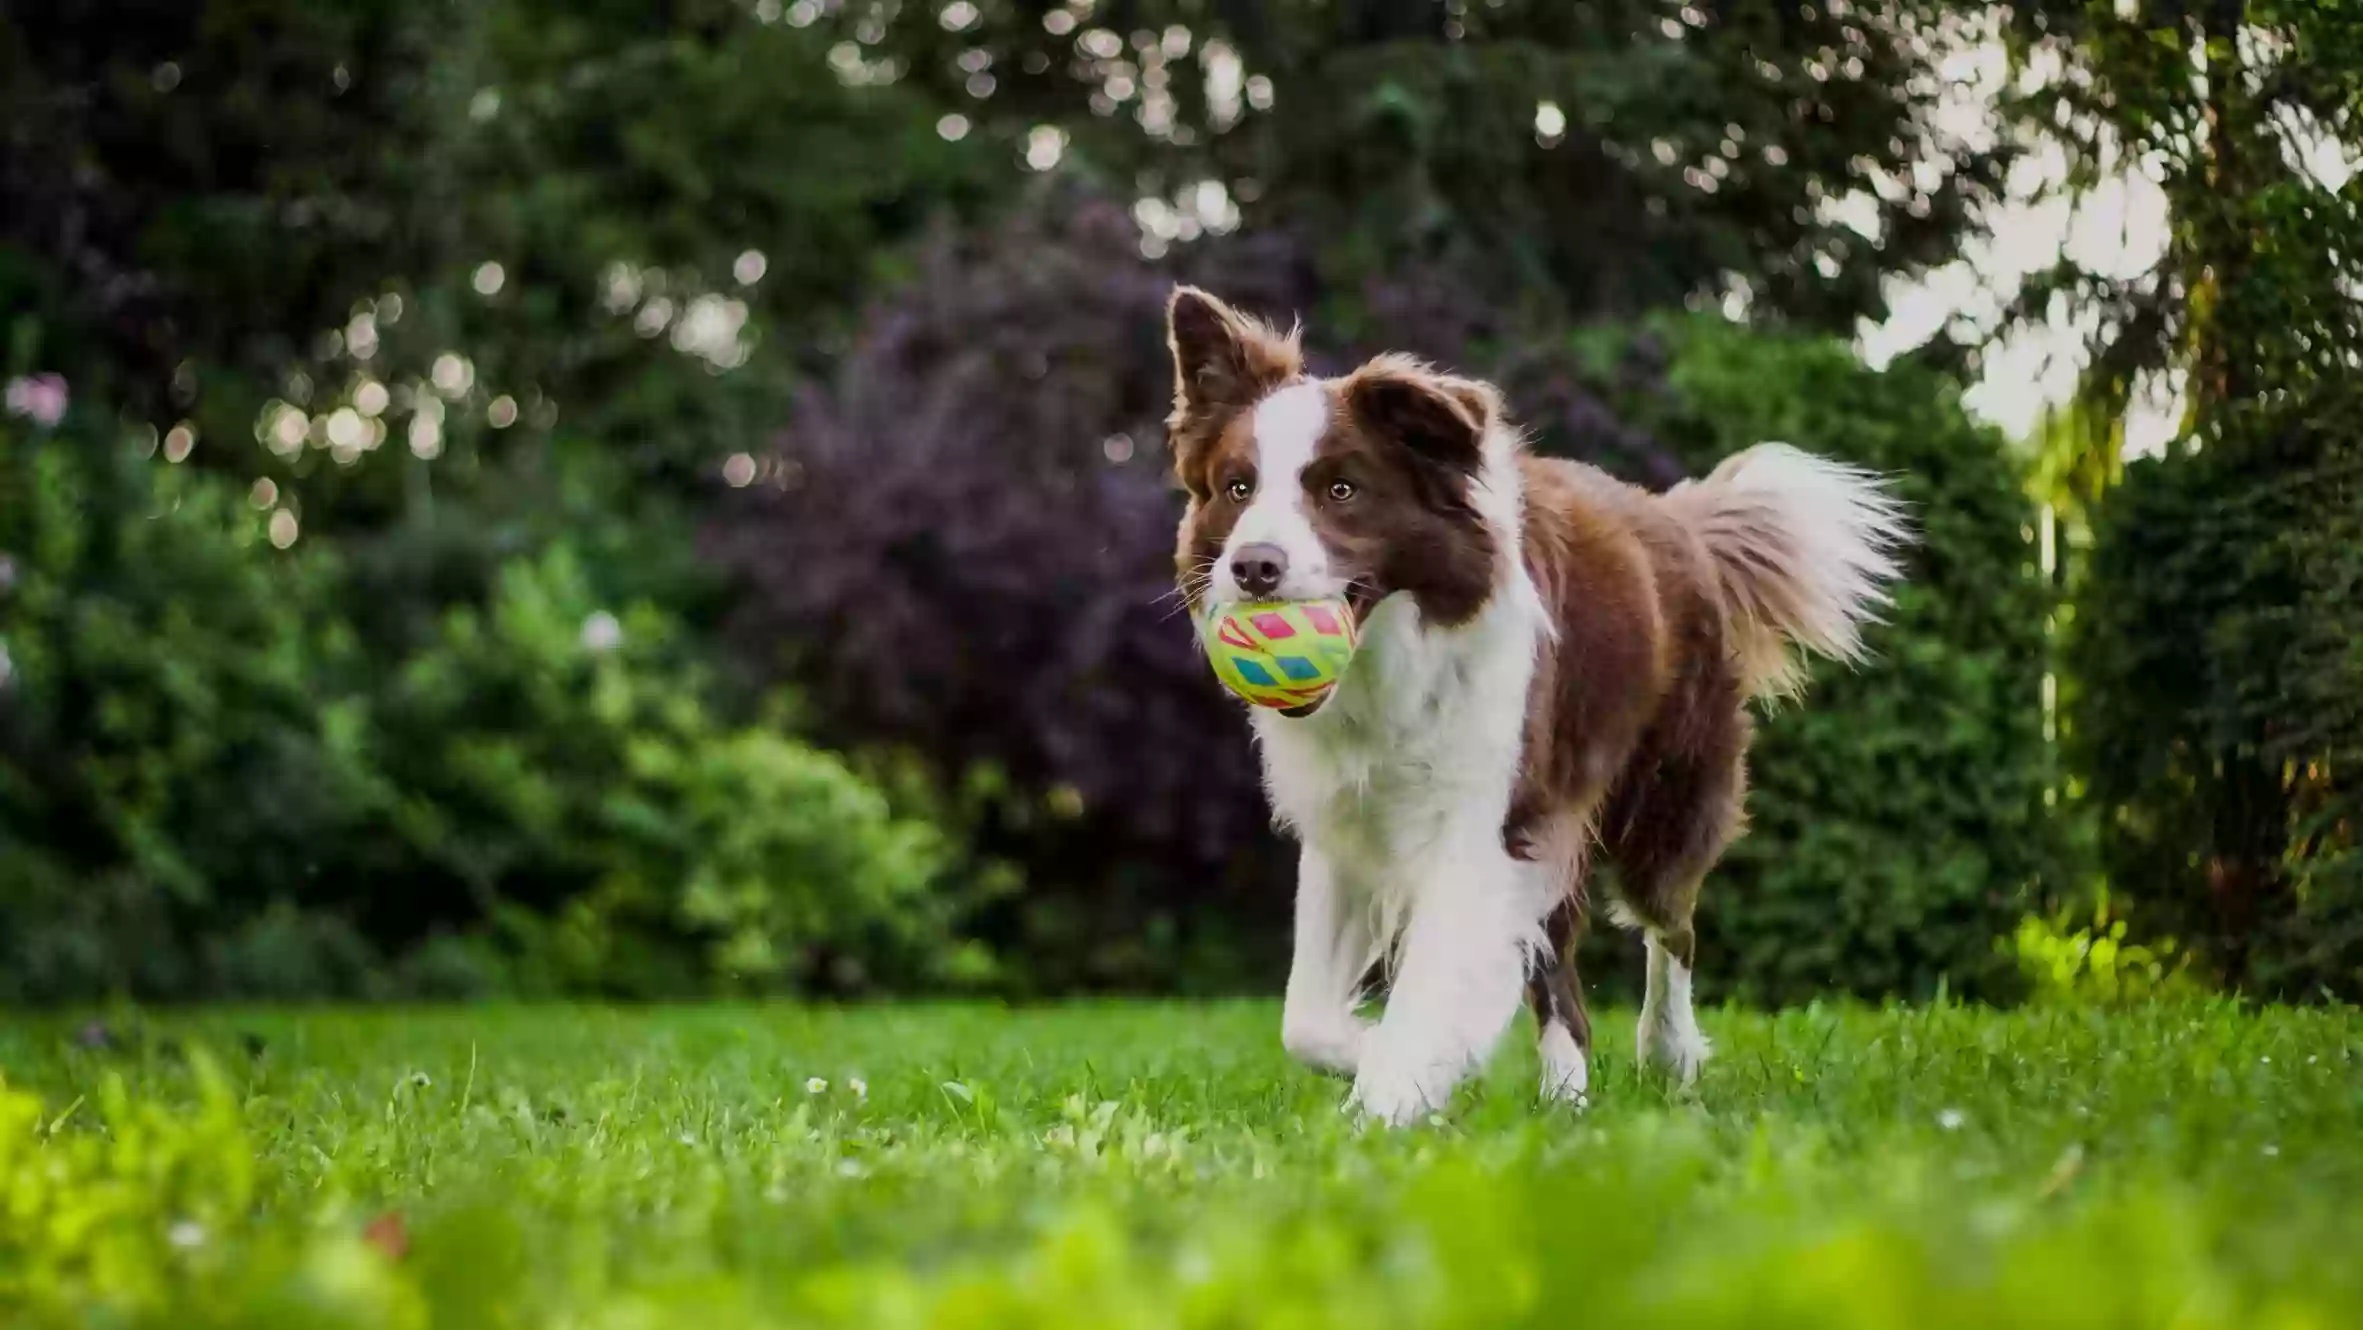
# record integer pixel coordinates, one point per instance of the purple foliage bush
(960, 545)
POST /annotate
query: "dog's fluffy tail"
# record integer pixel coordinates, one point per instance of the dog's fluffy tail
(1803, 551)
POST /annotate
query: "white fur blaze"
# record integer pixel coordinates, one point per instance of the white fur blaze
(1288, 428)
(1804, 551)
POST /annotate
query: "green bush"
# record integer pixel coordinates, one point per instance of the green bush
(172, 747)
(207, 788)
(2320, 945)
(2215, 707)
(565, 760)
(1897, 814)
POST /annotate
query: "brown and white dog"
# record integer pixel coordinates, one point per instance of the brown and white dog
(1551, 660)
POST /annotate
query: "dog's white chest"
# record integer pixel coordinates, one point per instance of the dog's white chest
(1423, 737)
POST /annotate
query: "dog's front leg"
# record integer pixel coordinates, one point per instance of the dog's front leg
(1459, 981)
(1333, 950)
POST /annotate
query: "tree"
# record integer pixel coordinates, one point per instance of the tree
(1567, 159)
(2203, 650)
(463, 223)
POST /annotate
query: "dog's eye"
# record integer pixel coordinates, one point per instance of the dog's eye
(1341, 490)
(1240, 491)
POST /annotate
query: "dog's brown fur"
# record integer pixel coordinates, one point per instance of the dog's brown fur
(1637, 731)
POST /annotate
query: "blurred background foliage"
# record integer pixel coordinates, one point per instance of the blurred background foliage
(2211, 722)
(659, 499)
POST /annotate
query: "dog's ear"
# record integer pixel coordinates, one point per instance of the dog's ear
(1442, 418)
(1222, 359)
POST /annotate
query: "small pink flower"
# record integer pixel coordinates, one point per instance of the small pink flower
(40, 399)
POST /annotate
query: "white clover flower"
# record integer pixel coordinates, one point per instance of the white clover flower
(602, 632)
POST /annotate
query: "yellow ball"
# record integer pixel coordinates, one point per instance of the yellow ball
(1281, 654)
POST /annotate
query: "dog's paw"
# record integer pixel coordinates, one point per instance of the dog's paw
(1387, 1106)
(1674, 1050)
(1332, 1046)
(1567, 1076)
(1391, 1093)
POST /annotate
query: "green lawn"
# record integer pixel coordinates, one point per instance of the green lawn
(1165, 1165)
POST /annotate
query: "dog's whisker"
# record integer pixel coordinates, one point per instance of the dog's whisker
(1190, 589)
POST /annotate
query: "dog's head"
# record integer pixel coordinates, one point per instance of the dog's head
(1302, 488)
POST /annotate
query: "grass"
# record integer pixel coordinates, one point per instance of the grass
(2195, 1165)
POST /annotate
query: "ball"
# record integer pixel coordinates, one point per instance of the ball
(1281, 654)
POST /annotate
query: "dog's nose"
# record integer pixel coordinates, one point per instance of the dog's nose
(1258, 568)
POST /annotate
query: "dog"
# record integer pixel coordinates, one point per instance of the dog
(1552, 662)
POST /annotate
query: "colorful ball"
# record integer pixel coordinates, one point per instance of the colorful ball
(1281, 654)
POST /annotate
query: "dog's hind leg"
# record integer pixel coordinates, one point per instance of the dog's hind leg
(1664, 841)
(1668, 1037)
(1553, 854)
(1557, 995)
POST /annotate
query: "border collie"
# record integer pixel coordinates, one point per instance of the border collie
(1551, 661)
